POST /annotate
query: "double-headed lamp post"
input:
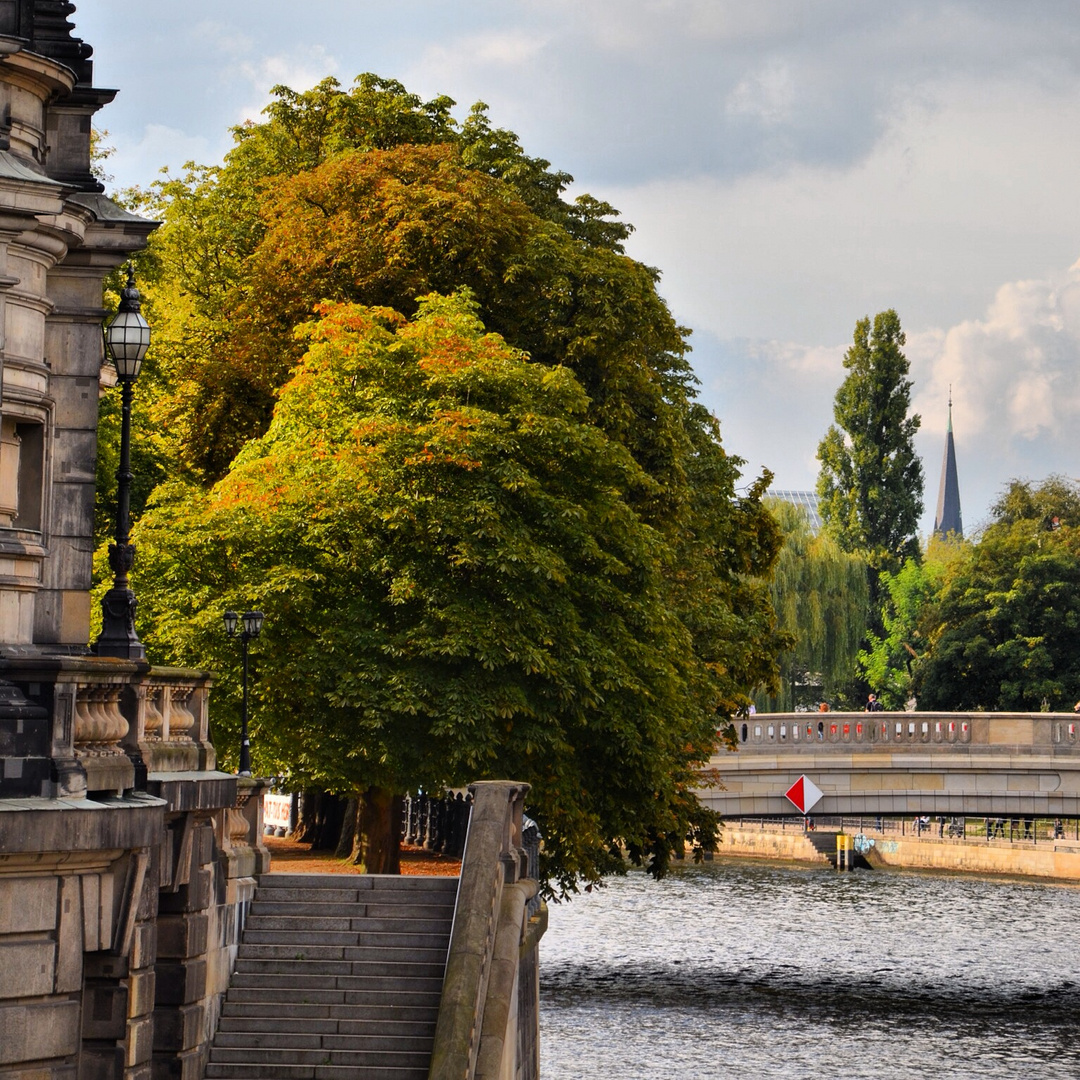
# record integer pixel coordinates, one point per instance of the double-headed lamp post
(246, 627)
(127, 338)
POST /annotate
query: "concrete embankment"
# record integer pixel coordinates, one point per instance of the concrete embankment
(1057, 859)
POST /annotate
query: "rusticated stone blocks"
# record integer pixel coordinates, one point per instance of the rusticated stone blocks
(182, 936)
(181, 983)
(38, 1031)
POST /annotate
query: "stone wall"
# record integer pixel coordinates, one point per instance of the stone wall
(1053, 859)
(119, 921)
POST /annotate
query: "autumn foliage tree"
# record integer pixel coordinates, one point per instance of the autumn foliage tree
(509, 540)
(456, 586)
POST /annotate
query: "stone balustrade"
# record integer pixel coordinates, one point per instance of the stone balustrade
(171, 720)
(889, 731)
(100, 727)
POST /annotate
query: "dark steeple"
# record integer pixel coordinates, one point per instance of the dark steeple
(948, 519)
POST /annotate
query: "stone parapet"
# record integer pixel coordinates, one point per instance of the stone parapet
(106, 724)
(901, 764)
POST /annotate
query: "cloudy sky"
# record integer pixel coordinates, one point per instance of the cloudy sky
(790, 166)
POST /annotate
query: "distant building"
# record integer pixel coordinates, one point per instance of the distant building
(948, 520)
(807, 501)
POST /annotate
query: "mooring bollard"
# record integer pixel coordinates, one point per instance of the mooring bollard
(845, 851)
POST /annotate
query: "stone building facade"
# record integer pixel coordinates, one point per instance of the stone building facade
(126, 858)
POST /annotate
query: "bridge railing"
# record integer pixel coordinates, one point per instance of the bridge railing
(889, 731)
(1014, 829)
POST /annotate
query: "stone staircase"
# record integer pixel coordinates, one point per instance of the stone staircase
(337, 978)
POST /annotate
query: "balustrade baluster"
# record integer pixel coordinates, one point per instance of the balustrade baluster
(152, 718)
(85, 723)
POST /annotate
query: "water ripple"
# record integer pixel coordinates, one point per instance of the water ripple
(762, 970)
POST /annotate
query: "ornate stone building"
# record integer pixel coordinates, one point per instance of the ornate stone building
(126, 859)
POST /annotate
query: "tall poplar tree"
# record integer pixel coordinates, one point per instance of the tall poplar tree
(870, 485)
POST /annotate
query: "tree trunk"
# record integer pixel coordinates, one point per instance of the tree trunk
(346, 839)
(377, 843)
(321, 815)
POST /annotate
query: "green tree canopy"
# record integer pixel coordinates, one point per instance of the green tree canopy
(891, 657)
(223, 337)
(457, 586)
(407, 586)
(870, 485)
(1004, 630)
(819, 593)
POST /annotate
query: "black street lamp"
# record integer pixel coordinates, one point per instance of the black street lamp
(127, 338)
(251, 623)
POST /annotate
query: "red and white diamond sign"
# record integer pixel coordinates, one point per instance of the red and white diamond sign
(804, 794)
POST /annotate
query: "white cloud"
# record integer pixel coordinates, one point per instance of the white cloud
(299, 70)
(1015, 373)
(768, 95)
(946, 208)
(1014, 378)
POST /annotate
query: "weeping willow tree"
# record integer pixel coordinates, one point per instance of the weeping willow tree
(821, 598)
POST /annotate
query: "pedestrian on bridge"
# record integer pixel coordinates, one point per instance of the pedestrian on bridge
(872, 704)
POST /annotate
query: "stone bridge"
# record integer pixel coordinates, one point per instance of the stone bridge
(898, 764)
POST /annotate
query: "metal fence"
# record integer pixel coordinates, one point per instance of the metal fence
(1009, 829)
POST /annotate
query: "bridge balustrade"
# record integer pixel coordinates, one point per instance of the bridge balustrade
(890, 730)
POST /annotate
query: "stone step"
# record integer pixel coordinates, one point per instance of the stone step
(408, 1041)
(315, 973)
(356, 938)
(384, 953)
(352, 887)
(300, 924)
(338, 977)
(327, 984)
(233, 1071)
(382, 1009)
(288, 995)
(249, 1056)
(421, 1024)
(401, 912)
(363, 882)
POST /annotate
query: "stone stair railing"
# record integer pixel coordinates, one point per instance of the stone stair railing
(488, 1020)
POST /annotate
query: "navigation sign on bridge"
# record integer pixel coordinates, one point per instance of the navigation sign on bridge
(804, 794)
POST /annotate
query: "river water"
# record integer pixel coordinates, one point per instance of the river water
(750, 970)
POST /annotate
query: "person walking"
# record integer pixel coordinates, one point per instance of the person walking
(872, 704)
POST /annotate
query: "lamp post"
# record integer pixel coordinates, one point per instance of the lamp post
(127, 338)
(250, 626)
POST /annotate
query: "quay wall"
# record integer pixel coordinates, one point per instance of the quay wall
(1058, 859)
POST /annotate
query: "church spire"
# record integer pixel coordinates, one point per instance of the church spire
(948, 518)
